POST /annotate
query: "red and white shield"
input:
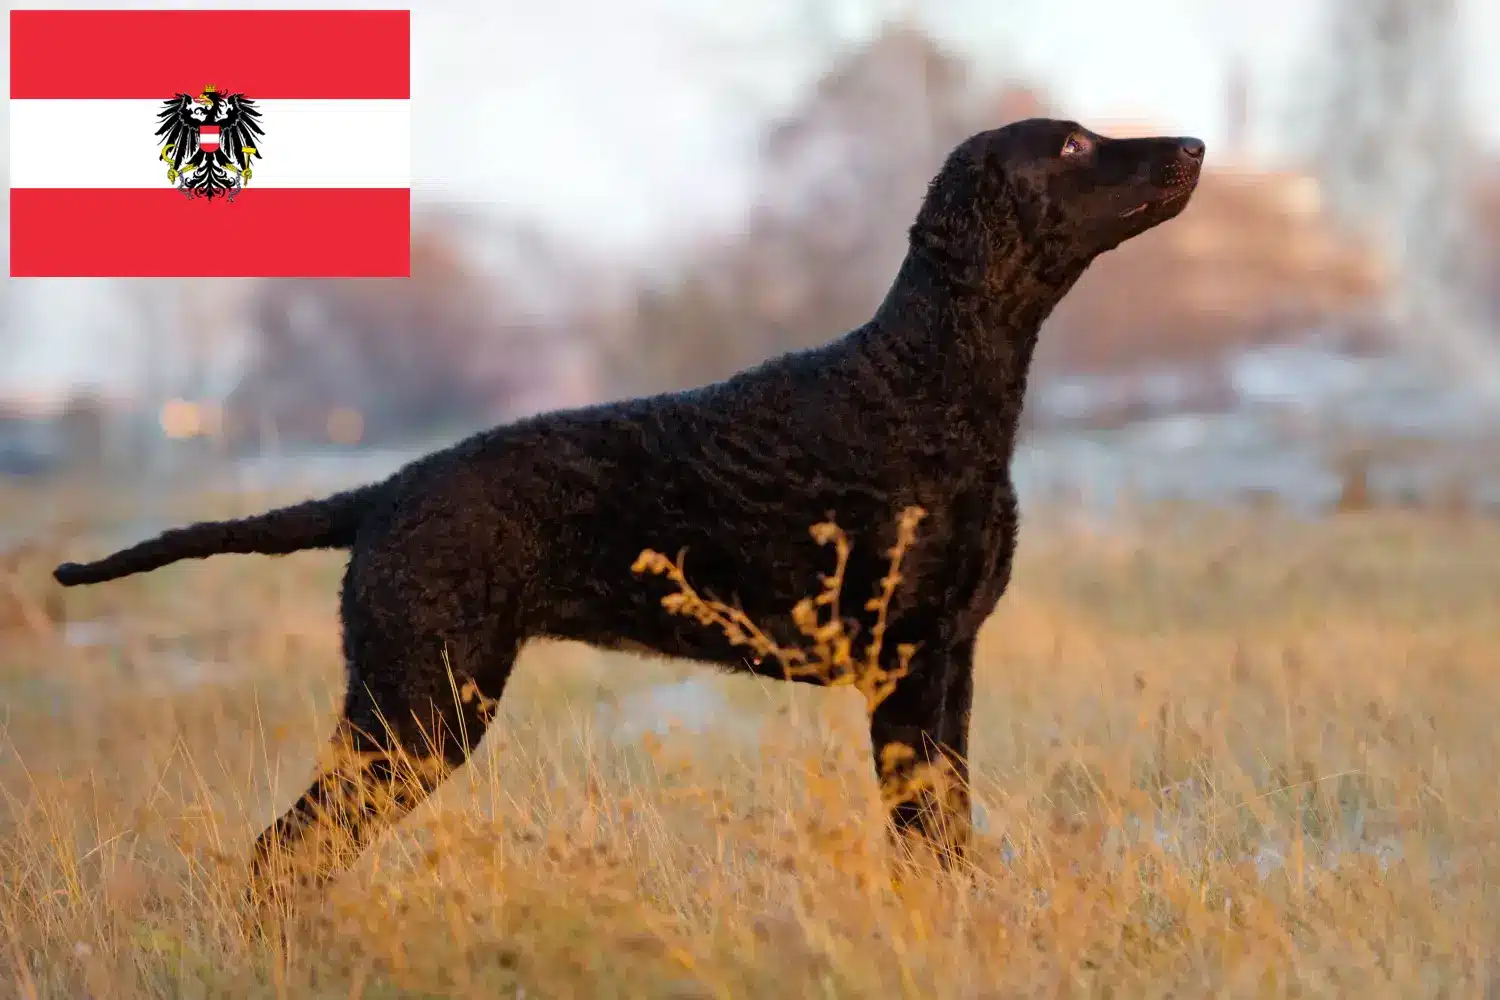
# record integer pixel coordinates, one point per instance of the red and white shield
(208, 138)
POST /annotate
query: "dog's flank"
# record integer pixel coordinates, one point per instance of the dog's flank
(531, 530)
(330, 523)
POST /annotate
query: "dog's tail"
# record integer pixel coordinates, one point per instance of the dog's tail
(330, 523)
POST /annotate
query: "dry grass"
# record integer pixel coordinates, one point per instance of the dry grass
(1256, 757)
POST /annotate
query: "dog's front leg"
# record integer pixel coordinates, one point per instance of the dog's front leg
(920, 737)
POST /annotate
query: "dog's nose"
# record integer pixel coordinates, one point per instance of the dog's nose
(1190, 149)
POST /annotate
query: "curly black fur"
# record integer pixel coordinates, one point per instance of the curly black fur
(531, 529)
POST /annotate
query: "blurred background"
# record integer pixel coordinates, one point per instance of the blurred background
(614, 198)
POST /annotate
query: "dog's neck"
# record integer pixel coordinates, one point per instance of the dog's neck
(966, 338)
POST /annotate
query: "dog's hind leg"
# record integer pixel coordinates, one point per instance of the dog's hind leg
(407, 725)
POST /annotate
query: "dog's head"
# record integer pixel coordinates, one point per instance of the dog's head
(1052, 194)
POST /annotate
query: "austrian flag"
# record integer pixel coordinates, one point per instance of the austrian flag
(210, 143)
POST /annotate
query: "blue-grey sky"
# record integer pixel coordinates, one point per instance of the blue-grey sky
(616, 121)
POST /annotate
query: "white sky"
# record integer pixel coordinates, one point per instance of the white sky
(616, 122)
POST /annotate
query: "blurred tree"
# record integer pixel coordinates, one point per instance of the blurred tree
(158, 375)
(380, 361)
(839, 178)
(83, 426)
(1388, 134)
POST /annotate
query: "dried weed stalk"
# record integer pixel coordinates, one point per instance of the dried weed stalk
(830, 655)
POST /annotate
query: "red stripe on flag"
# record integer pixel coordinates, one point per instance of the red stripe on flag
(264, 54)
(266, 232)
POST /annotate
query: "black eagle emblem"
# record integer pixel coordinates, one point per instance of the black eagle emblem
(207, 142)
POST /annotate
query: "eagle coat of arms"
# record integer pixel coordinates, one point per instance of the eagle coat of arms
(207, 142)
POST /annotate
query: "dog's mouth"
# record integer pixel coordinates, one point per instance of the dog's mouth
(1170, 196)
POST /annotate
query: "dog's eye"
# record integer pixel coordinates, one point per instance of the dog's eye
(1075, 145)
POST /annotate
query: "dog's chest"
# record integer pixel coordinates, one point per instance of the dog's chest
(975, 544)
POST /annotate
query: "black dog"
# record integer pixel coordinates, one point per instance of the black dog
(531, 530)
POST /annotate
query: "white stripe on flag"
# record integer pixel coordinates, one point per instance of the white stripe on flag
(307, 144)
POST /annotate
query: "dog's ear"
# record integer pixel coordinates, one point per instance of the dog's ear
(966, 219)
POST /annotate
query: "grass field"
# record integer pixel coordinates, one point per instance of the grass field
(1214, 755)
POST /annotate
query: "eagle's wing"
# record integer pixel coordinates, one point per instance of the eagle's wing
(176, 128)
(240, 128)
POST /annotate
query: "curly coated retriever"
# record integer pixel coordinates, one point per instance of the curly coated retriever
(531, 529)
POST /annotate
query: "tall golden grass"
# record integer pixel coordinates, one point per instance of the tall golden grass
(1215, 755)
